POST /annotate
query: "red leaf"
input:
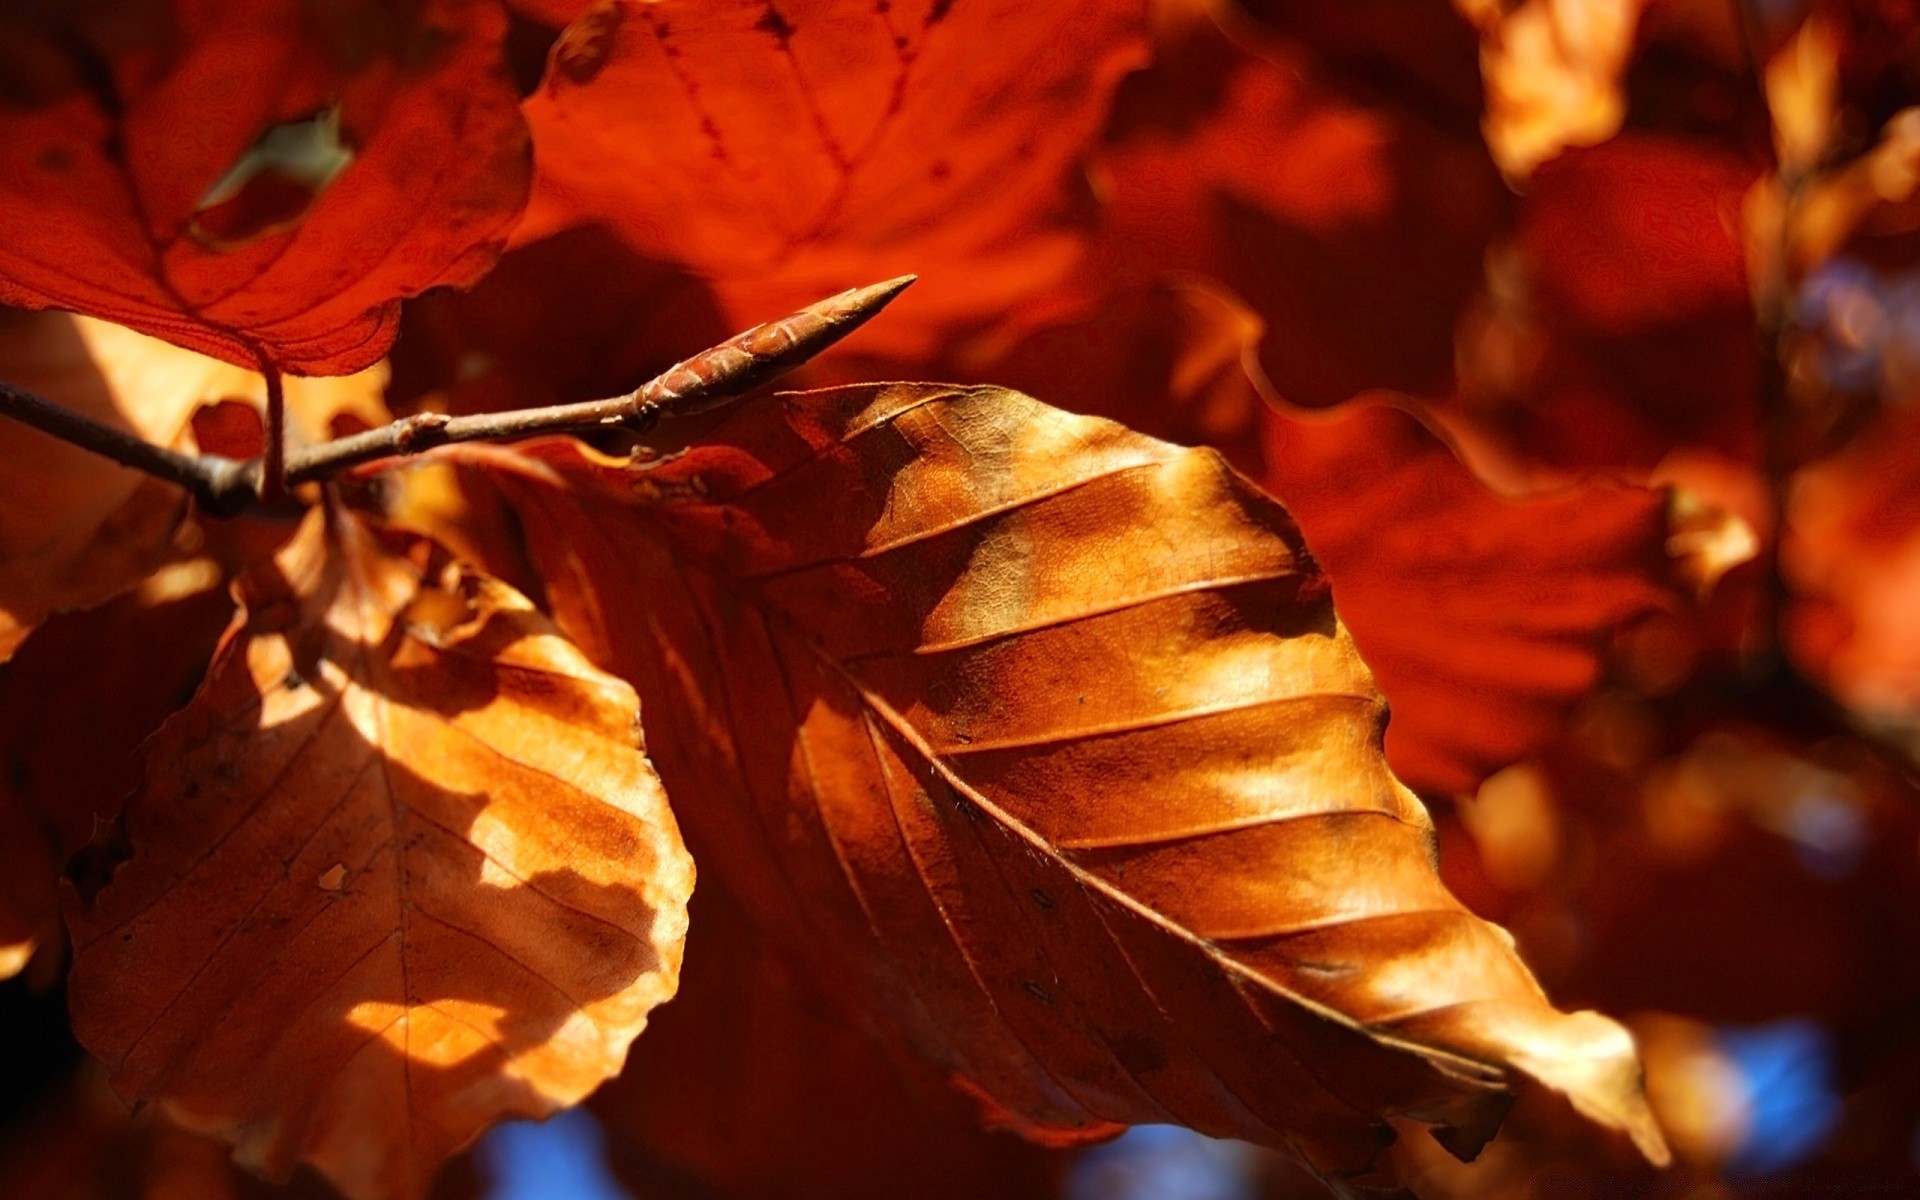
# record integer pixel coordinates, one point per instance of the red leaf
(789, 150)
(1354, 229)
(1618, 325)
(1485, 619)
(269, 178)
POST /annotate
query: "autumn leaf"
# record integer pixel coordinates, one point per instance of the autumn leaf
(1423, 55)
(398, 871)
(69, 739)
(1354, 228)
(1617, 325)
(1485, 619)
(75, 530)
(572, 317)
(1047, 734)
(255, 180)
(785, 151)
(751, 1084)
(81, 1143)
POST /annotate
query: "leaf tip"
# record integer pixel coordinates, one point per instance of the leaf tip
(1596, 1066)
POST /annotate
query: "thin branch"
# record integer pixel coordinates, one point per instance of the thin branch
(273, 474)
(705, 381)
(710, 378)
(221, 485)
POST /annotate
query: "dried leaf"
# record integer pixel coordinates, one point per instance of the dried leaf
(1485, 619)
(788, 150)
(513, 892)
(75, 530)
(267, 178)
(1042, 738)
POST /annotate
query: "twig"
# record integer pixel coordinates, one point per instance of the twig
(273, 473)
(708, 379)
(222, 485)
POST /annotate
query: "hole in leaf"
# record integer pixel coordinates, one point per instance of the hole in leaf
(271, 186)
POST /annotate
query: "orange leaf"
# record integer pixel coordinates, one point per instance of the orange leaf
(1485, 619)
(399, 871)
(1046, 734)
(789, 150)
(268, 178)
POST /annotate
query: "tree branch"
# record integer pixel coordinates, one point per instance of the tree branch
(710, 378)
(223, 486)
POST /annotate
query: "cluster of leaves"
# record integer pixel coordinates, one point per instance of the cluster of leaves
(1035, 784)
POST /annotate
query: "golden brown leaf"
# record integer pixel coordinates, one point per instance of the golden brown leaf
(1043, 738)
(399, 871)
(789, 150)
(75, 529)
(1441, 580)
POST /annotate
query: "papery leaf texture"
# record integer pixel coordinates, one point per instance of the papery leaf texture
(1040, 740)
(255, 181)
(399, 870)
(788, 150)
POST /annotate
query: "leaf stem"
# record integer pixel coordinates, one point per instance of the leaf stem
(708, 379)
